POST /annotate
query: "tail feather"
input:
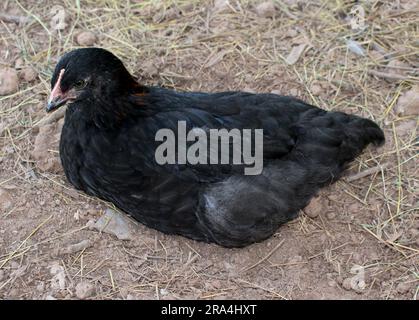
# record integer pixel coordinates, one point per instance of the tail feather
(359, 133)
(334, 139)
(245, 209)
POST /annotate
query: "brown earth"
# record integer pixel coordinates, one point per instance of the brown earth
(358, 240)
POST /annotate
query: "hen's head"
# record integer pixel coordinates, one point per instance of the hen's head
(88, 73)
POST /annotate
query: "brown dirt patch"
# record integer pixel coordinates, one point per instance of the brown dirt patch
(361, 238)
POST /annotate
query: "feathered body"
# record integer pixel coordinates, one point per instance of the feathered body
(108, 145)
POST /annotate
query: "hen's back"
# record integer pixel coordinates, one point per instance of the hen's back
(305, 148)
(246, 209)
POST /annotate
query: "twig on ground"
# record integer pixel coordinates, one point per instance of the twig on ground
(14, 19)
(386, 75)
(367, 172)
(264, 258)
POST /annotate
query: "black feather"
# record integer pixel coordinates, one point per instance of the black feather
(108, 143)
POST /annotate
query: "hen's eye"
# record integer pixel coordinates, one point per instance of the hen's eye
(80, 84)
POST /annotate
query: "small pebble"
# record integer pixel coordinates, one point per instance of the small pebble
(346, 284)
(250, 90)
(330, 215)
(316, 89)
(29, 74)
(406, 127)
(266, 9)
(169, 14)
(19, 63)
(116, 223)
(331, 283)
(13, 293)
(397, 67)
(408, 103)
(9, 81)
(294, 92)
(352, 284)
(295, 259)
(91, 224)
(84, 290)
(357, 258)
(314, 208)
(41, 286)
(373, 255)
(353, 208)
(150, 69)
(86, 38)
(403, 287)
(291, 33)
(5, 200)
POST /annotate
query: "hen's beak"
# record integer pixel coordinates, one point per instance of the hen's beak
(56, 103)
(57, 97)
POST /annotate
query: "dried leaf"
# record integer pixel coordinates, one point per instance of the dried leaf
(355, 47)
(116, 223)
(215, 58)
(295, 54)
(393, 237)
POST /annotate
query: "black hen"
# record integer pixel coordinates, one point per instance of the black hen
(108, 149)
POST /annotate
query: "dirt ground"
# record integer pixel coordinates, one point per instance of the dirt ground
(358, 240)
